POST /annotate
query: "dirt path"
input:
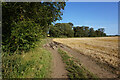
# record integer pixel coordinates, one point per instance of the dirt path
(58, 67)
(90, 64)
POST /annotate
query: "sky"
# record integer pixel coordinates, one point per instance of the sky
(92, 14)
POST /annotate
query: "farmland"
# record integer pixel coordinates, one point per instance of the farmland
(104, 50)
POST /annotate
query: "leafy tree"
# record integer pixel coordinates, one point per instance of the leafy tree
(54, 32)
(100, 32)
(104, 34)
(71, 24)
(82, 31)
(61, 30)
(91, 32)
(86, 31)
(76, 31)
(24, 34)
(19, 14)
(79, 31)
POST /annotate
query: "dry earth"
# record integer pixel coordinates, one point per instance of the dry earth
(58, 67)
(104, 50)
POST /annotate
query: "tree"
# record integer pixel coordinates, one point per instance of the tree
(71, 24)
(91, 32)
(21, 13)
(77, 31)
(81, 31)
(86, 31)
(61, 30)
(100, 32)
(54, 32)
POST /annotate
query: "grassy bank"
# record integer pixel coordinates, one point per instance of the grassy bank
(74, 68)
(33, 64)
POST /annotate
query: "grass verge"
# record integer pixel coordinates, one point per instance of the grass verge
(33, 64)
(74, 68)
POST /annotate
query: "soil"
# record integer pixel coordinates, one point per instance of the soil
(58, 68)
(89, 64)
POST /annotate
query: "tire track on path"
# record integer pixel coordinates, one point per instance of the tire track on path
(89, 64)
(58, 67)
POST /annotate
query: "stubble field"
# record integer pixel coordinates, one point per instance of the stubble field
(104, 50)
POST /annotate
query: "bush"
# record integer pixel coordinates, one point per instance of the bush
(23, 36)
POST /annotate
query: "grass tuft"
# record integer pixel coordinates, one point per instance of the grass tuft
(74, 68)
(33, 64)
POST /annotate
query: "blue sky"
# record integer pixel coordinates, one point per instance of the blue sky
(92, 14)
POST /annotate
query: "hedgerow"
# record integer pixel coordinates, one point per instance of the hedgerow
(24, 34)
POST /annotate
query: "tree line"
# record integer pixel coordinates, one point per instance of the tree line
(24, 23)
(68, 30)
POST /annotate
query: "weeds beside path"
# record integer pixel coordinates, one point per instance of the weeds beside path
(74, 67)
(33, 64)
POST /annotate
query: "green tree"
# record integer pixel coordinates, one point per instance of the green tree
(79, 31)
(61, 30)
(100, 32)
(54, 32)
(76, 31)
(19, 14)
(91, 32)
(86, 31)
(71, 24)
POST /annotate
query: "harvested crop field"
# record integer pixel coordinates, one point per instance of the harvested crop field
(104, 50)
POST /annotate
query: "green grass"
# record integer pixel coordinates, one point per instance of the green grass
(74, 68)
(33, 64)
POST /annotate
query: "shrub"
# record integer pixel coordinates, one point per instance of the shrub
(23, 36)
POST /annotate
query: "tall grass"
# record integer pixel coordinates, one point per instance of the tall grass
(33, 64)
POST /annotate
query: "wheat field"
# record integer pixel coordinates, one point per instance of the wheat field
(104, 49)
